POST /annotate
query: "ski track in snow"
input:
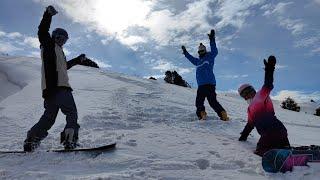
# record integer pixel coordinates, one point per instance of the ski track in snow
(154, 124)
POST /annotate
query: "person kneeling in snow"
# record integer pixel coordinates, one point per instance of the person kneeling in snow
(206, 79)
(261, 114)
(56, 89)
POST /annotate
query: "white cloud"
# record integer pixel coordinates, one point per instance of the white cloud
(296, 26)
(305, 34)
(35, 54)
(279, 66)
(132, 40)
(157, 76)
(165, 26)
(164, 65)
(115, 18)
(14, 35)
(234, 76)
(282, 7)
(66, 51)
(6, 47)
(106, 17)
(2, 33)
(101, 64)
(316, 51)
(306, 42)
(317, 1)
(280, 12)
(299, 96)
(235, 12)
(32, 41)
(107, 40)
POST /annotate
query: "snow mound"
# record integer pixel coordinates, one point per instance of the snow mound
(16, 73)
(154, 124)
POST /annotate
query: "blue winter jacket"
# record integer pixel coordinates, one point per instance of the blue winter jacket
(205, 65)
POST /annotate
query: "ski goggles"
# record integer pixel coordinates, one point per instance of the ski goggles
(202, 52)
(247, 91)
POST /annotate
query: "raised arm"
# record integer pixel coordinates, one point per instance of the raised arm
(72, 62)
(43, 29)
(268, 76)
(81, 60)
(192, 59)
(213, 46)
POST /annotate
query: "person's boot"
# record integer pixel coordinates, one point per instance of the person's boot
(31, 143)
(203, 115)
(69, 139)
(224, 116)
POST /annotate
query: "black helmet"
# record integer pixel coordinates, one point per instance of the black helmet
(60, 32)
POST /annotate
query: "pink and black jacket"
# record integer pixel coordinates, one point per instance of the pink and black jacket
(261, 114)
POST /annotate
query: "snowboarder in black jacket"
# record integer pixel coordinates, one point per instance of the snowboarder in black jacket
(56, 90)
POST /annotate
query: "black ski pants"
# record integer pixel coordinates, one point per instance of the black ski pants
(208, 91)
(63, 100)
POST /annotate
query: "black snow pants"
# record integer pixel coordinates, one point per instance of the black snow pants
(208, 91)
(63, 100)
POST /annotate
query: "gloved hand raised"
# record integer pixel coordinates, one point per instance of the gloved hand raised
(81, 58)
(212, 34)
(184, 51)
(51, 10)
(270, 63)
(89, 62)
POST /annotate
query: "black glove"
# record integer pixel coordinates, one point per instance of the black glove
(243, 138)
(51, 10)
(271, 63)
(81, 58)
(184, 51)
(88, 62)
(212, 34)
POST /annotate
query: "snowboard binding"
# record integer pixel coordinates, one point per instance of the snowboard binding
(69, 139)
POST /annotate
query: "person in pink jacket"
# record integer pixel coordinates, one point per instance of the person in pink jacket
(261, 114)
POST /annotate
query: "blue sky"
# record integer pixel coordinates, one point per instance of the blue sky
(143, 37)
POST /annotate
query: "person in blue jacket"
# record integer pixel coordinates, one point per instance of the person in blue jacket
(206, 79)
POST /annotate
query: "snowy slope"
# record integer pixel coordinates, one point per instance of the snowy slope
(153, 123)
(309, 107)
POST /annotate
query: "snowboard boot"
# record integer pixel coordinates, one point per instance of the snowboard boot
(203, 115)
(224, 116)
(31, 143)
(69, 139)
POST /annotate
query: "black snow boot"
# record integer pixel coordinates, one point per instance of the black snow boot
(31, 143)
(69, 139)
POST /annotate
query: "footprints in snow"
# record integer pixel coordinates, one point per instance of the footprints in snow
(202, 163)
(131, 142)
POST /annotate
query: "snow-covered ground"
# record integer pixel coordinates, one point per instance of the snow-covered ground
(157, 133)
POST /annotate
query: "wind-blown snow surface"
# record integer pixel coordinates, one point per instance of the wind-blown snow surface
(154, 125)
